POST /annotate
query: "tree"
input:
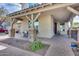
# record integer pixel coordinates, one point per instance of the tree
(3, 12)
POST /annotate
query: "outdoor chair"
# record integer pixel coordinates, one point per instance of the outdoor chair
(75, 45)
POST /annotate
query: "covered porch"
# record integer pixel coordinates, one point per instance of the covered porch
(48, 20)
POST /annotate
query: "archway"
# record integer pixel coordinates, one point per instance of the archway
(75, 22)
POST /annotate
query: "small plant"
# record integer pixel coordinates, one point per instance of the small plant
(36, 45)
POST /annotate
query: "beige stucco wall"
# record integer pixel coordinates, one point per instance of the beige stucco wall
(45, 26)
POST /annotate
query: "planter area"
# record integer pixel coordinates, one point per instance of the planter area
(24, 44)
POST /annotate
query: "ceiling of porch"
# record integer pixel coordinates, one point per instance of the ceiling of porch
(63, 14)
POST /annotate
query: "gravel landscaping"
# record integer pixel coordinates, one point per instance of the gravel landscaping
(24, 44)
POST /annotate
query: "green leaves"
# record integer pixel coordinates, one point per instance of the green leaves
(36, 45)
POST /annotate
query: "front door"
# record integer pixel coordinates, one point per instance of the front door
(55, 28)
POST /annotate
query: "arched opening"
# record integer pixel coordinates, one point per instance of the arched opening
(75, 22)
(74, 27)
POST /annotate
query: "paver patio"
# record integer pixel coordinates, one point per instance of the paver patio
(60, 46)
(13, 51)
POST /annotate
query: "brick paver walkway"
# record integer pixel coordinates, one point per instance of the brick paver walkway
(60, 46)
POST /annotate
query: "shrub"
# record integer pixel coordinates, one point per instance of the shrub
(36, 45)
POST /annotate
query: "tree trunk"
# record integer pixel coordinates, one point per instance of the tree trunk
(12, 31)
(32, 32)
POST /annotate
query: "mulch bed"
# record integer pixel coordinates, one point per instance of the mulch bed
(24, 44)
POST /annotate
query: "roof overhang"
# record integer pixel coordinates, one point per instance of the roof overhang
(39, 9)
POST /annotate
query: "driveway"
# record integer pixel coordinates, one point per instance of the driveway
(4, 36)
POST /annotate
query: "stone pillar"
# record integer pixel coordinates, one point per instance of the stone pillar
(58, 28)
(46, 28)
(71, 22)
(66, 27)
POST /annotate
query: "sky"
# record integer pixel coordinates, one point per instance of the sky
(76, 19)
(11, 7)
